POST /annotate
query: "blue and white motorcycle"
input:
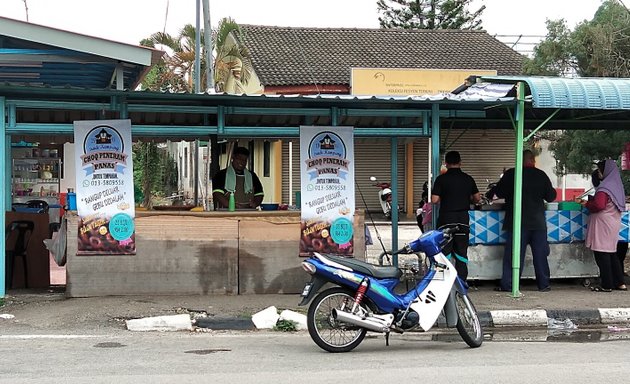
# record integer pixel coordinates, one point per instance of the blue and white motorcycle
(364, 297)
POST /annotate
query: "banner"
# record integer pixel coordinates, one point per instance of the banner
(105, 200)
(405, 82)
(327, 190)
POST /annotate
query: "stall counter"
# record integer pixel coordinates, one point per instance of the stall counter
(242, 252)
(566, 230)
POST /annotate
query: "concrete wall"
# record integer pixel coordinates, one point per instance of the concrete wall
(572, 260)
(198, 254)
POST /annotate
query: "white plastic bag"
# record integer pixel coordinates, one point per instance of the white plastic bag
(57, 245)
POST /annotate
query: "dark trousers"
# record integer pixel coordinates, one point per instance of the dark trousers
(537, 240)
(610, 272)
(622, 249)
(457, 252)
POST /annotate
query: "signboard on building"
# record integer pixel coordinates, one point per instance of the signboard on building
(408, 82)
(104, 189)
(327, 190)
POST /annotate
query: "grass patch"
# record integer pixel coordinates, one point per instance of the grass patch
(1, 301)
(285, 326)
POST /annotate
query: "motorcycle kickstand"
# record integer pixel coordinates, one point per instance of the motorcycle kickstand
(387, 339)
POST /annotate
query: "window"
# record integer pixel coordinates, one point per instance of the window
(250, 146)
(266, 159)
(185, 162)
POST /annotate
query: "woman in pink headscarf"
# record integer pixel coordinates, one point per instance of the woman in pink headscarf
(604, 223)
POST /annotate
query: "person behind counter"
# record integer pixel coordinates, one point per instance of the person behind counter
(537, 189)
(236, 179)
(455, 191)
(604, 223)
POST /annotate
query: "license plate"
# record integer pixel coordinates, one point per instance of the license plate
(306, 290)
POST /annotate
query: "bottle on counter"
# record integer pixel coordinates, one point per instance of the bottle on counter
(231, 203)
(71, 199)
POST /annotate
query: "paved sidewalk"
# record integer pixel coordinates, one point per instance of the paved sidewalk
(50, 312)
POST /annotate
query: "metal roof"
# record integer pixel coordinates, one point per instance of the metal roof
(574, 93)
(32, 54)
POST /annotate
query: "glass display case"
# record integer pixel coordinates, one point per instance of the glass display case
(36, 177)
(36, 174)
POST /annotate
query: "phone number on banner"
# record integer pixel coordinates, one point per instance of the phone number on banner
(98, 183)
(334, 187)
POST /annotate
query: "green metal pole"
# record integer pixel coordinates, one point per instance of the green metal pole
(518, 190)
(435, 151)
(5, 150)
(394, 212)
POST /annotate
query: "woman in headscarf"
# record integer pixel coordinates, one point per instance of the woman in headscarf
(604, 223)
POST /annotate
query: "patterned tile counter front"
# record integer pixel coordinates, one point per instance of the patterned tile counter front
(486, 227)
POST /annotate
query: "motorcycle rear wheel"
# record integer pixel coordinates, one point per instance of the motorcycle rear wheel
(468, 324)
(329, 334)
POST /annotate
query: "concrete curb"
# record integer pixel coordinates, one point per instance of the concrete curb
(537, 318)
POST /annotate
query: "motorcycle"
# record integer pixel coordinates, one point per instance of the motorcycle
(364, 299)
(384, 197)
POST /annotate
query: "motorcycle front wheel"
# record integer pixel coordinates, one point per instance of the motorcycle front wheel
(329, 334)
(468, 324)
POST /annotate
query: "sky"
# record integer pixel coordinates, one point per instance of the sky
(129, 21)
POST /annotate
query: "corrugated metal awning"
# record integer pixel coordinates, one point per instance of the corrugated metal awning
(574, 93)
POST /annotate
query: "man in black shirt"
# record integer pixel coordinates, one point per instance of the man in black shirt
(238, 180)
(537, 189)
(455, 191)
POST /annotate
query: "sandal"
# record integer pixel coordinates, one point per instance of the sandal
(600, 289)
(622, 288)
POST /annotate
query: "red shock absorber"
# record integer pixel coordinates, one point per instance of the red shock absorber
(363, 286)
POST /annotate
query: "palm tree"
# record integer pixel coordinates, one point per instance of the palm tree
(175, 71)
(233, 67)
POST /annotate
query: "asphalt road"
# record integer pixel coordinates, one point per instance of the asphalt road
(272, 357)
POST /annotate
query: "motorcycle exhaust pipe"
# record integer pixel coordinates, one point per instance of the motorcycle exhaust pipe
(371, 323)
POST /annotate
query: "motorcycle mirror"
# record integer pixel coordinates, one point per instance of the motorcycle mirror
(372, 178)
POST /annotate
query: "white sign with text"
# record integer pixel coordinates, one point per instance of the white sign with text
(327, 190)
(105, 197)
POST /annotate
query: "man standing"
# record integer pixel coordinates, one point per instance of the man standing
(236, 179)
(537, 189)
(455, 191)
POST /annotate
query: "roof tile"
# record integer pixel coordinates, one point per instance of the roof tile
(300, 56)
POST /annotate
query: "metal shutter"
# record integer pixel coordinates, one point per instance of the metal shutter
(372, 158)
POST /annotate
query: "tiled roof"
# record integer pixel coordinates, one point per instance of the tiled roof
(297, 56)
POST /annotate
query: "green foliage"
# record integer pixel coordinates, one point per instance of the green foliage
(155, 172)
(285, 326)
(174, 72)
(552, 57)
(428, 14)
(600, 48)
(232, 55)
(575, 151)
(1, 302)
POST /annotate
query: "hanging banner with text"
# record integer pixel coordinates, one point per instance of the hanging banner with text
(327, 190)
(105, 199)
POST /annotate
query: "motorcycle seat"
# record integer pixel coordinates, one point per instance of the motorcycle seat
(380, 272)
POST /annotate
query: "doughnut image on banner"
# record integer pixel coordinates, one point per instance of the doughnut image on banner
(327, 190)
(105, 199)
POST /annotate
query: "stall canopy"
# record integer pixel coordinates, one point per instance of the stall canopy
(576, 103)
(39, 55)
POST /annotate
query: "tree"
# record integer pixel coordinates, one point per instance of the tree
(174, 73)
(599, 47)
(233, 65)
(154, 174)
(428, 14)
(553, 56)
